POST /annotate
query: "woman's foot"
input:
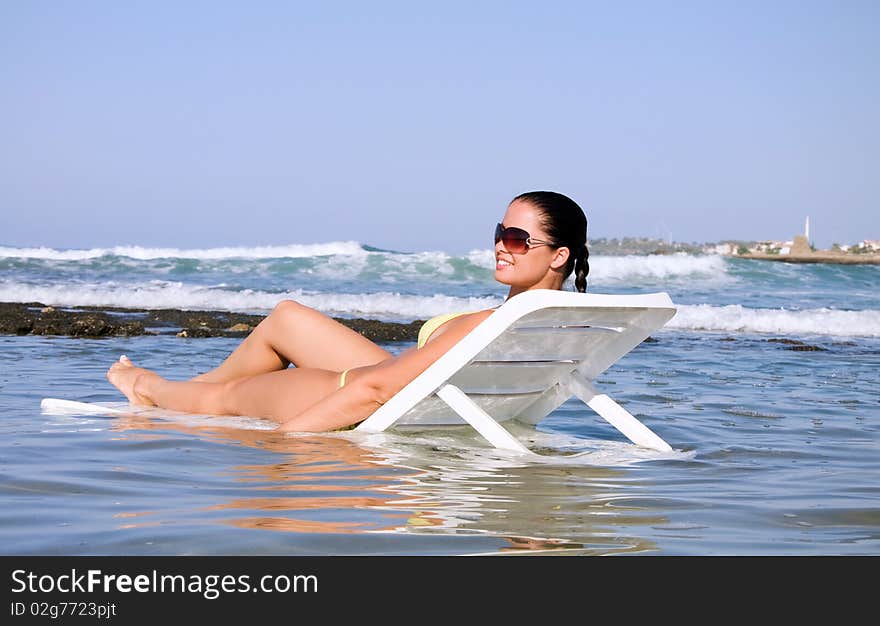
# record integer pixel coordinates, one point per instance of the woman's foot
(123, 375)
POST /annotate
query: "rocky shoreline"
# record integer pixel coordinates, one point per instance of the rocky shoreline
(35, 318)
(815, 257)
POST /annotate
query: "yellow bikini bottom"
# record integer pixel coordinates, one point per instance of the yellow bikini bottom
(341, 385)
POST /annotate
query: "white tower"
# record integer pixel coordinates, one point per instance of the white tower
(807, 229)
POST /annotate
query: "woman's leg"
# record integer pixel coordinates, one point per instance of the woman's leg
(298, 334)
(275, 395)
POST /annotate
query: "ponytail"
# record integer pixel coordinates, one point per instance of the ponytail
(581, 269)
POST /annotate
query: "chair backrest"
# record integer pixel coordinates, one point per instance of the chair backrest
(526, 350)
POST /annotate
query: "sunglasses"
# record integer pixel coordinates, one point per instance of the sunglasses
(517, 240)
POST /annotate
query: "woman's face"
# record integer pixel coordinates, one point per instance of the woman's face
(531, 269)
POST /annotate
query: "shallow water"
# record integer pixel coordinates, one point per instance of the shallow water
(776, 444)
(776, 452)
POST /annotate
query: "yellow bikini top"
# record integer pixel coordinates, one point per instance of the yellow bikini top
(431, 325)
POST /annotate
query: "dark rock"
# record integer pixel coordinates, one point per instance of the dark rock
(791, 342)
(53, 323)
(16, 321)
(197, 332)
(38, 319)
(129, 329)
(90, 326)
(797, 346)
(191, 319)
(383, 332)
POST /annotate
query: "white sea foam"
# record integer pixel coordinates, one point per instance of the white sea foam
(349, 248)
(392, 266)
(604, 270)
(158, 294)
(421, 263)
(627, 269)
(736, 318)
(617, 269)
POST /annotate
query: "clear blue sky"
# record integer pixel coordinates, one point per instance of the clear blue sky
(409, 125)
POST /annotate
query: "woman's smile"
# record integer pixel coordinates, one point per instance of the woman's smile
(501, 264)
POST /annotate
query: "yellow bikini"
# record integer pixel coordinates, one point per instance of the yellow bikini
(341, 385)
(425, 333)
(342, 378)
(432, 324)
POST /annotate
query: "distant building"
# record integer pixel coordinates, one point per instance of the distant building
(772, 247)
(723, 249)
(800, 246)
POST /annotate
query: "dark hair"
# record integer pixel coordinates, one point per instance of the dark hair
(566, 224)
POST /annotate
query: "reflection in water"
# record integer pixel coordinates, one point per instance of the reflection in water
(351, 483)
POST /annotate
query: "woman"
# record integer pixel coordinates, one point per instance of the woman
(341, 377)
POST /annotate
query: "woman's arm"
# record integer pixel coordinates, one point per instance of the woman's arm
(376, 384)
(349, 405)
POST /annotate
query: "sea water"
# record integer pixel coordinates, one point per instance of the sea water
(766, 383)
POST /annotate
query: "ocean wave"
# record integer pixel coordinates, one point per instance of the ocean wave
(637, 268)
(348, 248)
(618, 269)
(344, 260)
(739, 319)
(158, 294)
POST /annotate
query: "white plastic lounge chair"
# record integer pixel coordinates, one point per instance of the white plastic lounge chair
(527, 358)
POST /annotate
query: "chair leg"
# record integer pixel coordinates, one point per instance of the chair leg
(548, 402)
(482, 422)
(616, 415)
